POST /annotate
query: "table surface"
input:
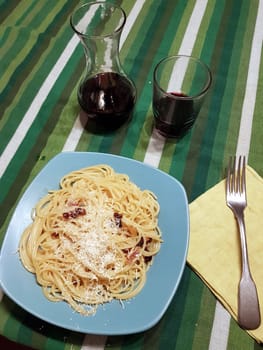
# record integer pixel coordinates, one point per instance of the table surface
(41, 65)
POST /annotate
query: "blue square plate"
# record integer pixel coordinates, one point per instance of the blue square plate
(114, 318)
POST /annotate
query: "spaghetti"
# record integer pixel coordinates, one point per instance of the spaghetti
(93, 239)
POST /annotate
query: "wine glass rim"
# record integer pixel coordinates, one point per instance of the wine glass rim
(98, 3)
(184, 97)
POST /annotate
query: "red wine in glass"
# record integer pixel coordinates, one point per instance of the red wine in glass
(174, 114)
(107, 99)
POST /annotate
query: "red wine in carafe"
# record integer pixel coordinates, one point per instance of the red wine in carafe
(108, 99)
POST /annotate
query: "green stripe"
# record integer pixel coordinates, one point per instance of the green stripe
(10, 325)
(171, 324)
(38, 134)
(29, 152)
(35, 79)
(236, 333)
(17, 39)
(191, 310)
(6, 7)
(232, 93)
(23, 34)
(17, 87)
(6, 307)
(220, 66)
(203, 326)
(257, 130)
(132, 342)
(8, 16)
(151, 339)
(29, 13)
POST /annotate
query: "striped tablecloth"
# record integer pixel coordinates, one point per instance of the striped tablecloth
(41, 62)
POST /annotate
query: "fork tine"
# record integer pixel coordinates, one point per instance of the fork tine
(228, 177)
(232, 166)
(243, 178)
(239, 176)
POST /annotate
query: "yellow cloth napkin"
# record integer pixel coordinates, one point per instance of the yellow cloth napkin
(214, 247)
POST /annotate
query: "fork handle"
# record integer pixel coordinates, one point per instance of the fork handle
(248, 304)
(243, 241)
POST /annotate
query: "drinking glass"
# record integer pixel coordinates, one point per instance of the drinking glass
(180, 84)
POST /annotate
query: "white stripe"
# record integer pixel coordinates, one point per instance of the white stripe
(74, 136)
(72, 140)
(156, 144)
(154, 149)
(177, 76)
(251, 87)
(35, 106)
(130, 20)
(220, 329)
(94, 342)
(193, 28)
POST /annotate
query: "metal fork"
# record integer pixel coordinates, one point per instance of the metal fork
(248, 305)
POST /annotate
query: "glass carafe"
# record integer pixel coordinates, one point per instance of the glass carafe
(106, 94)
